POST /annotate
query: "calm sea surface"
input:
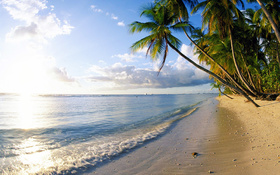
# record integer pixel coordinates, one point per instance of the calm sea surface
(70, 134)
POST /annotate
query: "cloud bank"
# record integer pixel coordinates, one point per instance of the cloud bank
(177, 74)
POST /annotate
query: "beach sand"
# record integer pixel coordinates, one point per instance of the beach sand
(230, 137)
(261, 127)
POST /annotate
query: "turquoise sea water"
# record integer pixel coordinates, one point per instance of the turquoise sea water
(68, 134)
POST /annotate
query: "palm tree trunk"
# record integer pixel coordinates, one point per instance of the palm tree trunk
(270, 20)
(211, 73)
(251, 79)
(237, 67)
(277, 54)
(221, 67)
(249, 74)
(224, 93)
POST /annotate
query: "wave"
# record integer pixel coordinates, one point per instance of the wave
(79, 156)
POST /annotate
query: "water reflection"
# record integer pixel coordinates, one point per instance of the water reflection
(25, 112)
(29, 113)
(33, 157)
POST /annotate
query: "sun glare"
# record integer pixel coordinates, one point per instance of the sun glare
(30, 76)
(26, 109)
(34, 155)
(32, 79)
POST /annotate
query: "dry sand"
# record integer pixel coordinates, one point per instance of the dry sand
(260, 152)
(233, 138)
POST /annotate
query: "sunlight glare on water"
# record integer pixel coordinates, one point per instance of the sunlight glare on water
(32, 152)
(26, 108)
(34, 157)
(28, 113)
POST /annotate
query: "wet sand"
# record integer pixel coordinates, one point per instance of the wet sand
(230, 137)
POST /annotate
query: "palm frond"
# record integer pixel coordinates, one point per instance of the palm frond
(199, 6)
(157, 48)
(139, 26)
(181, 25)
(138, 45)
(164, 57)
(174, 41)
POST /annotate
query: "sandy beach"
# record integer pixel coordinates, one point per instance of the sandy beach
(261, 132)
(230, 137)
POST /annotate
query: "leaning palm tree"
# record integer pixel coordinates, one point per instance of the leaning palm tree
(273, 8)
(269, 17)
(218, 16)
(178, 7)
(160, 38)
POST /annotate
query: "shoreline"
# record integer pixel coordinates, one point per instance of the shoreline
(230, 137)
(171, 153)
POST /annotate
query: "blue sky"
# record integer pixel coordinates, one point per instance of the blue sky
(83, 46)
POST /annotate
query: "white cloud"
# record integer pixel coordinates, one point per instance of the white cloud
(24, 10)
(39, 27)
(144, 50)
(60, 74)
(121, 23)
(188, 51)
(93, 7)
(102, 62)
(23, 32)
(127, 57)
(114, 17)
(52, 7)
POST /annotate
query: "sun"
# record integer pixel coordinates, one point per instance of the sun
(30, 76)
(31, 71)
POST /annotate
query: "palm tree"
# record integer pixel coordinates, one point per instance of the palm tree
(259, 37)
(269, 17)
(273, 8)
(178, 7)
(218, 16)
(162, 21)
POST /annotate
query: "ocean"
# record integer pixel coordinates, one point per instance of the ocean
(70, 134)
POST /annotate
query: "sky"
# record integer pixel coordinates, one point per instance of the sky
(83, 47)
